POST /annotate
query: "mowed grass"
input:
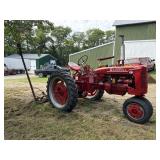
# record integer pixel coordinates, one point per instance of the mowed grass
(24, 119)
(153, 74)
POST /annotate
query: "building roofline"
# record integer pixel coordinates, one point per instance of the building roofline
(91, 48)
(17, 56)
(53, 57)
(130, 22)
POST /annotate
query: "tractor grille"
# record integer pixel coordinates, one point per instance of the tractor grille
(144, 76)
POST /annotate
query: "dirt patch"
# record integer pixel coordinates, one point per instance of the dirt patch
(104, 119)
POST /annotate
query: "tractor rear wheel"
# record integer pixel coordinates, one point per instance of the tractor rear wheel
(138, 109)
(62, 91)
(96, 95)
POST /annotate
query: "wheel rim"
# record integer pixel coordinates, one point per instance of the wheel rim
(92, 94)
(58, 92)
(135, 111)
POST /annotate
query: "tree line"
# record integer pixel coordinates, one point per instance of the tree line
(36, 36)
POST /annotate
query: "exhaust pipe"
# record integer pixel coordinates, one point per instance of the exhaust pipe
(122, 57)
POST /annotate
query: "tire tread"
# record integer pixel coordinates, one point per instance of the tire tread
(71, 88)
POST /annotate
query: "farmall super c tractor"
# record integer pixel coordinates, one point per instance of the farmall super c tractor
(64, 88)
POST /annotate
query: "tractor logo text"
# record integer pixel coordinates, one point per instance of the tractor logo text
(118, 70)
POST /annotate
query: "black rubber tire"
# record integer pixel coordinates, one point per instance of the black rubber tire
(97, 96)
(40, 75)
(150, 104)
(144, 103)
(154, 68)
(71, 87)
(45, 75)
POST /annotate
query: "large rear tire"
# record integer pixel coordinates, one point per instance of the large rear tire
(62, 91)
(138, 109)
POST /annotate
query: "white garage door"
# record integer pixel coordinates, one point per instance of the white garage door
(33, 65)
(140, 48)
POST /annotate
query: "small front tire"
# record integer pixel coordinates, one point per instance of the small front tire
(138, 109)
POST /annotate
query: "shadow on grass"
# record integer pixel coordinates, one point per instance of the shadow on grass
(89, 120)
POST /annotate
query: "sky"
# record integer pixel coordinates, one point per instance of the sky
(83, 25)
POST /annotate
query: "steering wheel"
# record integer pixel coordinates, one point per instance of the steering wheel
(82, 61)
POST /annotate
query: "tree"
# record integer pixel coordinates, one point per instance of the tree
(42, 38)
(79, 39)
(110, 35)
(94, 37)
(23, 32)
(16, 32)
(60, 34)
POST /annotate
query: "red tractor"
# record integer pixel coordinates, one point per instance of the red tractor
(64, 88)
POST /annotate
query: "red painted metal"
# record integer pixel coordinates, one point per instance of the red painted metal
(135, 111)
(74, 66)
(92, 93)
(60, 92)
(114, 80)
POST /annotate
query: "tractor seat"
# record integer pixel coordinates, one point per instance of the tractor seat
(74, 66)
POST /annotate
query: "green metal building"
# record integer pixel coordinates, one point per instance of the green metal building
(35, 61)
(105, 50)
(140, 38)
(45, 58)
(140, 41)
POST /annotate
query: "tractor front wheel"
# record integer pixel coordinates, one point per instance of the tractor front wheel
(138, 109)
(62, 91)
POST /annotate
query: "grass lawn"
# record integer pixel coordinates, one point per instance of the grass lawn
(153, 74)
(24, 119)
